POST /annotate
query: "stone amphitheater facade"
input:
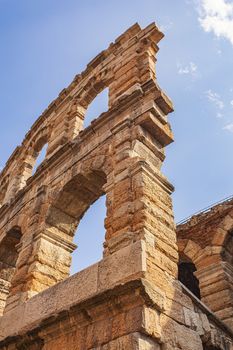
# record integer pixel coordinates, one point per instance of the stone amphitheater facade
(156, 287)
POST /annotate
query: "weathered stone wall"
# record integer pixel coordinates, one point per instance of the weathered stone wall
(206, 240)
(131, 299)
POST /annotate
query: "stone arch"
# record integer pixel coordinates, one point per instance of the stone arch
(93, 85)
(104, 71)
(209, 269)
(31, 151)
(97, 107)
(188, 252)
(73, 200)
(63, 216)
(90, 84)
(53, 241)
(8, 258)
(19, 168)
(50, 251)
(39, 157)
(189, 249)
(215, 270)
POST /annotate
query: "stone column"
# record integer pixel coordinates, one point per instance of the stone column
(139, 205)
(43, 261)
(4, 290)
(44, 256)
(66, 126)
(9, 248)
(136, 65)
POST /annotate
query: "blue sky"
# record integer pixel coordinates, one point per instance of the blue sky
(44, 43)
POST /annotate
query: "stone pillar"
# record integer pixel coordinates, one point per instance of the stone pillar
(75, 119)
(8, 259)
(138, 199)
(4, 291)
(43, 261)
(137, 62)
(139, 206)
(44, 257)
(67, 125)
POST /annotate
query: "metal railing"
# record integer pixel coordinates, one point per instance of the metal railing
(205, 210)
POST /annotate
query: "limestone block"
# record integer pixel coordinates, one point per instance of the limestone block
(193, 320)
(152, 323)
(179, 336)
(122, 266)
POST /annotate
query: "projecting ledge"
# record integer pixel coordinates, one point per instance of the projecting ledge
(125, 265)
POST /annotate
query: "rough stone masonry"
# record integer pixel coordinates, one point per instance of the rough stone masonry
(132, 298)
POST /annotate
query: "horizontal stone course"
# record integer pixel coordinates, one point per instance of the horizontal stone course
(85, 284)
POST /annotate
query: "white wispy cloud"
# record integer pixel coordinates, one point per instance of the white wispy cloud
(215, 98)
(191, 69)
(228, 127)
(231, 103)
(217, 16)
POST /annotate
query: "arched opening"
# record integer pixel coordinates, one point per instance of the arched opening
(89, 237)
(8, 259)
(68, 209)
(32, 161)
(39, 157)
(186, 276)
(96, 107)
